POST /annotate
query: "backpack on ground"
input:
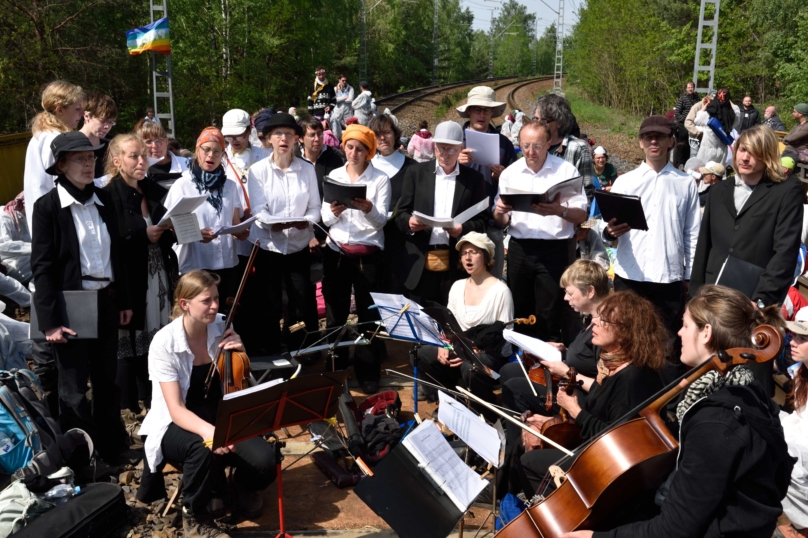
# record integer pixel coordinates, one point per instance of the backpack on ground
(18, 506)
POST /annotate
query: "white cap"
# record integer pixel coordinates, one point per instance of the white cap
(448, 132)
(235, 122)
(599, 151)
(800, 323)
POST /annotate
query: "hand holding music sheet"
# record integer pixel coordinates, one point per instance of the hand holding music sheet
(473, 430)
(236, 228)
(186, 228)
(183, 206)
(534, 346)
(484, 146)
(565, 190)
(439, 460)
(449, 222)
(342, 193)
(625, 208)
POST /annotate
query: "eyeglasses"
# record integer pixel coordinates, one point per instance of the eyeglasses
(155, 142)
(447, 151)
(231, 138)
(603, 322)
(210, 151)
(480, 110)
(534, 147)
(106, 123)
(282, 135)
(469, 252)
(84, 161)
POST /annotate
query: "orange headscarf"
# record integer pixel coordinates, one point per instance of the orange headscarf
(211, 134)
(362, 134)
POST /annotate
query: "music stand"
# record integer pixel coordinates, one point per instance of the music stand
(445, 318)
(250, 413)
(406, 320)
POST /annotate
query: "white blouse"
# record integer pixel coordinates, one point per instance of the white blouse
(221, 252)
(497, 305)
(353, 227)
(277, 193)
(795, 430)
(38, 157)
(170, 359)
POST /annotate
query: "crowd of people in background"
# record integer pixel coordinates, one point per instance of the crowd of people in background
(629, 309)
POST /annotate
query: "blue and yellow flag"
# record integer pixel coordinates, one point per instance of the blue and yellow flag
(153, 37)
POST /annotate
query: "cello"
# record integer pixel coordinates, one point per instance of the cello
(632, 457)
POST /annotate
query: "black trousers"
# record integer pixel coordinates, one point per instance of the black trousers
(228, 286)
(261, 331)
(133, 382)
(432, 371)
(535, 267)
(433, 287)
(203, 475)
(365, 274)
(96, 359)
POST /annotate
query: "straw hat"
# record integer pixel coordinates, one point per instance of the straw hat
(482, 96)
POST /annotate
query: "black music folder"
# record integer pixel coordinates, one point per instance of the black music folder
(342, 193)
(523, 201)
(740, 275)
(79, 313)
(625, 208)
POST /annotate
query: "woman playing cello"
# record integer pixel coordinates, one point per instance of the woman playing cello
(733, 466)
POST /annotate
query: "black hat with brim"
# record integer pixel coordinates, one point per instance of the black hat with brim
(71, 142)
(282, 119)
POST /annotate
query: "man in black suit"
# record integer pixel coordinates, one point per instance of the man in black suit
(76, 247)
(441, 188)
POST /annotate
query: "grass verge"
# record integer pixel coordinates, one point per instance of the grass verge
(448, 101)
(615, 121)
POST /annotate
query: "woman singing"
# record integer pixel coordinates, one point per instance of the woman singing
(179, 427)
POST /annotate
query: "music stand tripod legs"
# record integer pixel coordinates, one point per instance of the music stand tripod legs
(279, 445)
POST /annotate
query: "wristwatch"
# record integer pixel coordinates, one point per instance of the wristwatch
(564, 214)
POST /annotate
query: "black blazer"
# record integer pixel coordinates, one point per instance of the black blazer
(55, 255)
(766, 233)
(418, 194)
(132, 229)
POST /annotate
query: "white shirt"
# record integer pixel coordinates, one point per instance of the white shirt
(670, 201)
(171, 359)
(241, 163)
(519, 178)
(444, 198)
(38, 157)
(275, 193)
(389, 165)
(497, 305)
(178, 166)
(221, 252)
(93, 238)
(354, 227)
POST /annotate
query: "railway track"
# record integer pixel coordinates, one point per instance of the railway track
(397, 101)
(512, 104)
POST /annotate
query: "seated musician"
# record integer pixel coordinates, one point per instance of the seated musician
(733, 467)
(632, 340)
(476, 301)
(179, 427)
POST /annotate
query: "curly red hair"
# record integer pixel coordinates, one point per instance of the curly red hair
(641, 336)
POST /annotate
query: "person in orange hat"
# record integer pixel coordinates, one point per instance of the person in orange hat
(355, 243)
(206, 175)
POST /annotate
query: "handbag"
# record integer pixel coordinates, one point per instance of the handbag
(437, 261)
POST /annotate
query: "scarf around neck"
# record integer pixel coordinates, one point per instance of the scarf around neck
(211, 182)
(709, 383)
(607, 364)
(80, 195)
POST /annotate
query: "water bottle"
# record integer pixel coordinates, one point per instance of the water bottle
(61, 493)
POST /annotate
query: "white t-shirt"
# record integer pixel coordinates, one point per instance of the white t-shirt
(497, 305)
(38, 157)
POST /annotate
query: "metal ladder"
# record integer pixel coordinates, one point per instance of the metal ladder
(161, 78)
(712, 46)
(559, 57)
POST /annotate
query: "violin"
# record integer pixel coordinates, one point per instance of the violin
(560, 428)
(234, 366)
(631, 458)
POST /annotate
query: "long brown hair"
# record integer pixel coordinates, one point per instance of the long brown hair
(189, 286)
(641, 336)
(798, 395)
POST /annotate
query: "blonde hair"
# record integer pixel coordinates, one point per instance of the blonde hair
(585, 273)
(149, 129)
(761, 142)
(57, 93)
(731, 316)
(116, 150)
(189, 286)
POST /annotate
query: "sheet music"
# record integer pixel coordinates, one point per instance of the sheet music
(534, 346)
(244, 392)
(270, 219)
(412, 325)
(186, 228)
(237, 228)
(438, 459)
(473, 430)
(484, 145)
(449, 222)
(186, 204)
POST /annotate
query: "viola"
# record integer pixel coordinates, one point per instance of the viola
(560, 428)
(633, 457)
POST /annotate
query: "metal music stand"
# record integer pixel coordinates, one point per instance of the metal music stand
(406, 320)
(302, 400)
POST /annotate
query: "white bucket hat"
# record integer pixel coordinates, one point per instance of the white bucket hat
(235, 122)
(479, 240)
(482, 96)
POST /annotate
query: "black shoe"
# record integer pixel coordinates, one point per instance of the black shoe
(370, 387)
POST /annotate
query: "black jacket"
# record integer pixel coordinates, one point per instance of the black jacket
(330, 159)
(775, 123)
(418, 194)
(325, 97)
(732, 471)
(55, 256)
(507, 157)
(766, 233)
(394, 251)
(749, 118)
(683, 106)
(132, 229)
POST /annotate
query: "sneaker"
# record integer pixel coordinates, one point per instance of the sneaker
(250, 503)
(200, 527)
